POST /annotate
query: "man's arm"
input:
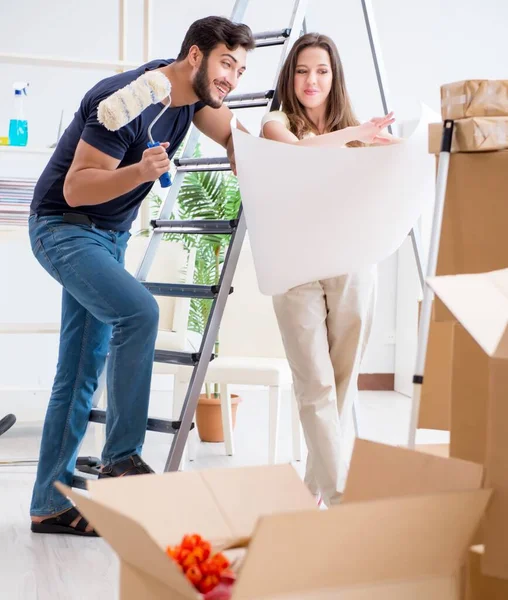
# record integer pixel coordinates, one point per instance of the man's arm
(215, 123)
(93, 177)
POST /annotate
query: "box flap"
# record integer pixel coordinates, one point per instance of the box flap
(168, 506)
(132, 542)
(245, 494)
(430, 588)
(381, 471)
(395, 539)
(495, 562)
(480, 303)
(137, 585)
(442, 450)
(219, 504)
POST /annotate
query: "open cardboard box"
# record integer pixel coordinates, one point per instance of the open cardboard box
(381, 471)
(473, 233)
(390, 548)
(479, 302)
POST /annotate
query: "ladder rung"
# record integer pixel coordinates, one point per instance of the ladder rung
(183, 290)
(160, 425)
(193, 165)
(197, 226)
(253, 100)
(271, 38)
(171, 357)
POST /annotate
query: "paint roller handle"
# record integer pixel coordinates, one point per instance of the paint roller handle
(165, 178)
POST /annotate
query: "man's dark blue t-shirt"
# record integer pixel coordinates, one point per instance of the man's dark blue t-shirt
(127, 145)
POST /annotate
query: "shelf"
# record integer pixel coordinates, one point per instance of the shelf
(26, 150)
(53, 61)
(29, 328)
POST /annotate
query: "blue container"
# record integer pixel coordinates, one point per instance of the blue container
(18, 132)
(18, 126)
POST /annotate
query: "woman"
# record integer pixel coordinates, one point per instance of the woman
(325, 324)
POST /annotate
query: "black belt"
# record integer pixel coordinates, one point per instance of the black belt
(78, 219)
(75, 219)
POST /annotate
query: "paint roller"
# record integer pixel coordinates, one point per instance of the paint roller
(129, 102)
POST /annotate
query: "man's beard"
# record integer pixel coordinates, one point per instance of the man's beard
(201, 86)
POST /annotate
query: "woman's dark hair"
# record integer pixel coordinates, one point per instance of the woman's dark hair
(209, 32)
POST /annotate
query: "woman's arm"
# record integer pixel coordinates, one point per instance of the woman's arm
(391, 139)
(369, 132)
(276, 131)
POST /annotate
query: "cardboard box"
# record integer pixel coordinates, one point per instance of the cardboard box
(442, 450)
(382, 471)
(389, 549)
(436, 394)
(469, 398)
(397, 547)
(480, 586)
(474, 98)
(480, 423)
(473, 235)
(399, 472)
(140, 516)
(475, 134)
(395, 472)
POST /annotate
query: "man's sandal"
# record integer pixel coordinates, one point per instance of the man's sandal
(62, 523)
(133, 465)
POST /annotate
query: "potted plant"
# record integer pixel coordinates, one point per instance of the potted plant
(211, 195)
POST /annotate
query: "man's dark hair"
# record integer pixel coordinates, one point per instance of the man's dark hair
(209, 32)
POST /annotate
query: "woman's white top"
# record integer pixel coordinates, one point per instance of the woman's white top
(281, 117)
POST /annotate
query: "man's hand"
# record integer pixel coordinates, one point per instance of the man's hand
(154, 163)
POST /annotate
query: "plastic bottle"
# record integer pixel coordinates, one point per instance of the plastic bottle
(18, 126)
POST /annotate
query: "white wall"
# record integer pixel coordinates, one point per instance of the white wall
(423, 44)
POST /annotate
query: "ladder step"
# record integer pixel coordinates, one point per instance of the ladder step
(160, 425)
(180, 290)
(196, 226)
(271, 38)
(194, 165)
(252, 100)
(171, 357)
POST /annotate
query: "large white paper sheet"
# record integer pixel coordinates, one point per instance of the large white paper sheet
(315, 213)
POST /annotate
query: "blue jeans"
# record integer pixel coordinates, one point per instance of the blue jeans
(104, 308)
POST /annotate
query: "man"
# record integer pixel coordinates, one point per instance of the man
(83, 207)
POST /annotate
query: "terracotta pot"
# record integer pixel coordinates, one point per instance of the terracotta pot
(209, 417)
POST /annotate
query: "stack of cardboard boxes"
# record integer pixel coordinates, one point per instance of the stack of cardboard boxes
(465, 386)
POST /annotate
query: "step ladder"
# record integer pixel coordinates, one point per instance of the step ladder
(236, 228)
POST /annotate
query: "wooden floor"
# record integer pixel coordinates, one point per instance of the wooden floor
(38, 567)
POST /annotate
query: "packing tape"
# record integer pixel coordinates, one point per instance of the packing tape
(449, 100)
(498, 131)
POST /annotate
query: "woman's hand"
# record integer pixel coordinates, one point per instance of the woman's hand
(370, 132)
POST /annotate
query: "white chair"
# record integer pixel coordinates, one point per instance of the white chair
(251, 353)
